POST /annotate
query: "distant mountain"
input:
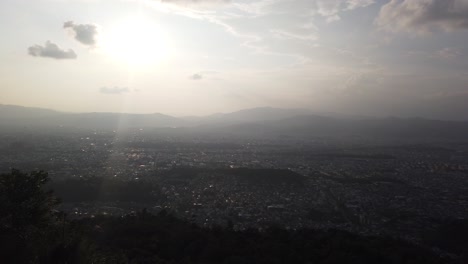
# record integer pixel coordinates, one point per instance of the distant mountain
(28, 116)
(263, 114)
(256, 122)
(260, 114)
(313, 125)
(117, 120)
(18, 112)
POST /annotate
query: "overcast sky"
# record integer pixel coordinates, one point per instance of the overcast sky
(195, 57)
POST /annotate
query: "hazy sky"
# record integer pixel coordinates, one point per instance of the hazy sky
(194, 57)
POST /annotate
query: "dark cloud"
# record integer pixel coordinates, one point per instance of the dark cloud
(114, 90)
(51, 50)
(423, 16)
(196, 77)
(85, 33)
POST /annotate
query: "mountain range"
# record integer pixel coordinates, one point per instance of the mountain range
(264, 121)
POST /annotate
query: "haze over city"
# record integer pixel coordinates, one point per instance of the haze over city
(360, 57)
(234, 131)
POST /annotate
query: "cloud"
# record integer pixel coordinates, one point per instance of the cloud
(196, 2)
(423, 16)
(281, 34)
(257, 8)
(353, 4)
(360, 83)
(448, 53)
(444, 54)
(196, 77)
(51, 50)
(84, 33)
(114, 90)
(330, 9)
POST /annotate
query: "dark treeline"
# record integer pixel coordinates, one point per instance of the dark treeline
(117, 190)
(146, 238)
(32, 231)
(104, 189)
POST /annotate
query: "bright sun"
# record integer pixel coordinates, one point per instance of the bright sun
(136, 41)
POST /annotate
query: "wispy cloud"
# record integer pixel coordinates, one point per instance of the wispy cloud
(444, 54)
(114, 90)
(448, 53)
(331, 9)
(290, 35)
(198, 3)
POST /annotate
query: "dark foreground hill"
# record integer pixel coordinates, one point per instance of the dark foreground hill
(31, 231)
(162, 238)
(146, 238)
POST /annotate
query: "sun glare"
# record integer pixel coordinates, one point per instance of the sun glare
(136, 41)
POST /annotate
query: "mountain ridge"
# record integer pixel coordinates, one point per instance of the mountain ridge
(255, 122)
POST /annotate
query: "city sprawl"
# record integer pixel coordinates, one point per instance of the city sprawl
(370, 187)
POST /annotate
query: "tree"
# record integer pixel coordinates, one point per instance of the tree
(26, 215)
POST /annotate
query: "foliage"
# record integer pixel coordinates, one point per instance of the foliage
(26, 215)
(146, 238)
(104, 189)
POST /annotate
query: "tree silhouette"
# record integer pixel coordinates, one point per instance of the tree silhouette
(26, 215)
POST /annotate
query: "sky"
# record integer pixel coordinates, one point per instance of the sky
(403, 58)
